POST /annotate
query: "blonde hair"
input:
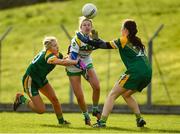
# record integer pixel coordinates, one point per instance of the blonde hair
(47, 41)
(82, 19)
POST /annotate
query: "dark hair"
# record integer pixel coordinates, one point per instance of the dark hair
(130, 25)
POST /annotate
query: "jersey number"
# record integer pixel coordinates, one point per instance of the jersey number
(141, 53)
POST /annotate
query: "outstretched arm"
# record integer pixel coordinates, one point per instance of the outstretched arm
(64, 62)
(98, 43)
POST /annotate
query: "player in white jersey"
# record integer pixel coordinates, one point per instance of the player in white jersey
(81, 50)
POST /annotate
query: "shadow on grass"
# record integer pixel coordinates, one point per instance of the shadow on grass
(55, 126)
(145, 129)
(85, 127)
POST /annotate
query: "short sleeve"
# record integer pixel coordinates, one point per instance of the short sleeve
(50, 55)
(120, 42)
(123, 41)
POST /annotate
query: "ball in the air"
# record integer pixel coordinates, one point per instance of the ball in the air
(89, 10)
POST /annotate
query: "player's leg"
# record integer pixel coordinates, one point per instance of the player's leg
(94, 82)
(35, 102)
(78, 91)
(131, 102)
(48, 91)
(20, 99)
(109, 103)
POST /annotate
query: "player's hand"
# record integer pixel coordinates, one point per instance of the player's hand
(94, 34)
(82, 37)
(66, 57)
(81, 64)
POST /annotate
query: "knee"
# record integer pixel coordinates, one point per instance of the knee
(125, 96)
(41, 110)
(111, 95)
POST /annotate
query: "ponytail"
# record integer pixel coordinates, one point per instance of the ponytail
(136, 41)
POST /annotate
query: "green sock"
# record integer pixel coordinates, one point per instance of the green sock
(86, 115)
(138, 116)
(103, 119)
(60, 118)
(95, 108)
(24, 100)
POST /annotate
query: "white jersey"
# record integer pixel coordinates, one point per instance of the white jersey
(84, 50)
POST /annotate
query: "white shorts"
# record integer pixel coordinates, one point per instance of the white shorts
(72, 69)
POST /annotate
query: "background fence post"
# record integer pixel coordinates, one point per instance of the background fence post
(71, 94)
(150, 53)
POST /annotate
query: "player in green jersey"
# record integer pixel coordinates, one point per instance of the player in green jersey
(34, 79)
(83, 51)
(136, 77)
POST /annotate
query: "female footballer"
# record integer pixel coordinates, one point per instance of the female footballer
(35, 79)
(83, 50)
(136, 77)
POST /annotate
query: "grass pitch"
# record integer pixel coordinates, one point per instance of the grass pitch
(32, 23)
(117, 123)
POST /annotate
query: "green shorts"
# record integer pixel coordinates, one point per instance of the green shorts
(31, 86)
(135, 81)
(69, 73)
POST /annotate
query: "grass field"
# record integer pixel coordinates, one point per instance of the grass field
(32, 23)
(117, 123)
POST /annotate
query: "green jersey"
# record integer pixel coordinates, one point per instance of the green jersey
(39, 68)
(139, 72)
(133, 58)
(35, 76)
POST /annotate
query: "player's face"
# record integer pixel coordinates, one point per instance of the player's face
(54, 47)
(86, 27)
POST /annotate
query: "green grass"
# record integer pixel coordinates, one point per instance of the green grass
(32, 23)
(117, 123)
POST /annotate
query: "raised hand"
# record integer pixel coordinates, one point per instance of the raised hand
(94, 34)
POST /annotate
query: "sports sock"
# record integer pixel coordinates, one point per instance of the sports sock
(95, 108)
(24, 100)
(103, 119)
(86, 115)
(60, 118)
(138, 116)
